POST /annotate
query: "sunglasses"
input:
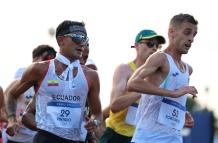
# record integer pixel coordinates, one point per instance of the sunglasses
(78, 39)
(151, 44)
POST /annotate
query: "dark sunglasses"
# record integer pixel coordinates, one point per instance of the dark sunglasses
(151, 44)
(78, 39)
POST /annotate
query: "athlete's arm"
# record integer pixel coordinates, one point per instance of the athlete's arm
(93, 100)
(2, 108)
(120, 98)
(32, 75)
(106, 112)
(138, 81)
(1, 98)
(189, 120)
(28, 118)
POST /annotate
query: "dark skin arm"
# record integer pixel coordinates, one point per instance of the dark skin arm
(1, 98)
(28, 118)
(2, 107)
(12, 100)
(31, 77)
(93, 98)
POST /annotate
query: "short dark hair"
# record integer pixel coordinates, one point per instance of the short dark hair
(39, 50)
(177, 20)
(68, 26)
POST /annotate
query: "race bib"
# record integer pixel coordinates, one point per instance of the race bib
(131, 114)
(172, 114)
(64, 115)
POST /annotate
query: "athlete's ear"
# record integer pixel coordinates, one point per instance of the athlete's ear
(136, 46)
(60, 40)
(171, 32)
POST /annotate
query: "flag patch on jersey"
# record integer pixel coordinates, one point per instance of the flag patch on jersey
(53, 82)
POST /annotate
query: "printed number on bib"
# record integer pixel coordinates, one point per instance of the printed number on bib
(172, 114)
(64, 115)
(131, 114)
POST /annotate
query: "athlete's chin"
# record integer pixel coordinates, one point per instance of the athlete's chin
(185, 52)
(78, 55)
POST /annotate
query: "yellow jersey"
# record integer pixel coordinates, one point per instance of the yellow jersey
(116, 121)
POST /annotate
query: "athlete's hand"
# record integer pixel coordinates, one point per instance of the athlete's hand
(189, 121)
(12, 128)
(186, 90)
(90, 124)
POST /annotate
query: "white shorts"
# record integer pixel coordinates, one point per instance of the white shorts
(145, 136)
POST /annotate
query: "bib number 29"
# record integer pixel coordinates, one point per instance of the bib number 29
(65, 113)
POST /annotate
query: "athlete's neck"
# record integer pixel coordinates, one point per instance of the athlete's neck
(70, 58)
(176, 57)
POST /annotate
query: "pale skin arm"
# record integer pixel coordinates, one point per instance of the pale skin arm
(139, 83)
(120, 98)
(106, 112)
(30, 77)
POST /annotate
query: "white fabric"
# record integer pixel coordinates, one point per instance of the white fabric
(19, 73)
(131, 114)
(149, 108)
(4, 135)
(63, 115)
(59, 109)
(144, 136)
(84, 132)
(172, 110)
(68, 71)
(172, 115)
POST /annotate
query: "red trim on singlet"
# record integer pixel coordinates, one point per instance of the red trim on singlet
(37, 88)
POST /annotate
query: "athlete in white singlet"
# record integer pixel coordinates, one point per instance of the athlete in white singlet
(62, 86)
(164, 80)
